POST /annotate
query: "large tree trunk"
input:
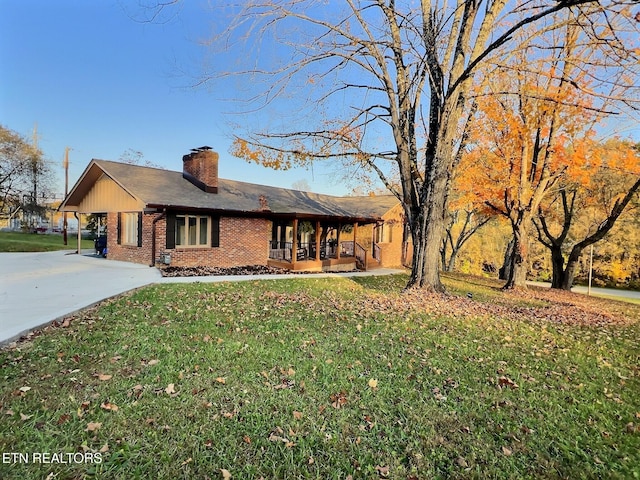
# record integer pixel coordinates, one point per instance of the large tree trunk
(427, 240)
(570, 270)
(557, 262)
(505, 270)
(519, 256)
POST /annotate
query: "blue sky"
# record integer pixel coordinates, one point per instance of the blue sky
(94, 79)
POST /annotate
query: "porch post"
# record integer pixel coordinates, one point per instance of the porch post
(294, 244)
(317, 240)
(355, 236)
(338, 246)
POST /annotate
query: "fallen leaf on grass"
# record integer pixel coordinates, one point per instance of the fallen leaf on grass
(226, 475)
(153, 362)
(24, 417)
(297, 415)
(93, 426)
(382, 471)
(505, 381)
(109, 406)
(221, 380)
(338, 400)
(105, 448)
(373, 383)
(188, 460)
(507, 451)
(63, 419)
(103, 377)
(171, 389)
(24, 389)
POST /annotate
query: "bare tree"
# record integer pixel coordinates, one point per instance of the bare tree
(387, 84)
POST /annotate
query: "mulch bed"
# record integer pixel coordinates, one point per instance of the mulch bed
(218, 271)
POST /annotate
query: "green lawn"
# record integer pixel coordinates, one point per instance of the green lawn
(328, 379)
(33, 242)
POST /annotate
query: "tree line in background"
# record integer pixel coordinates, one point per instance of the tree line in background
(26, 178)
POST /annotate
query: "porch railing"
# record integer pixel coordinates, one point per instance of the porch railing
(283, 251)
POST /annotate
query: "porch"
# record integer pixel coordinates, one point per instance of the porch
(303, 246)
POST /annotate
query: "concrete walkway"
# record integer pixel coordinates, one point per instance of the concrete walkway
(37, 288)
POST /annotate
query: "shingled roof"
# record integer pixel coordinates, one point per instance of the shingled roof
(158, 188)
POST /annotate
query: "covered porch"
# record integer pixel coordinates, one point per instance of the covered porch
(319, 245)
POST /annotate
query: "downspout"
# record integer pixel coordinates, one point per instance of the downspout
(153, 236)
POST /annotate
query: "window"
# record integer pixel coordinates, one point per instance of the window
(130, 228)
(382, 233)
(192, 231)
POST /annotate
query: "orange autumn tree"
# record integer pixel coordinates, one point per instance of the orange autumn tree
(585, 208)
(528, 114)
(467, 214)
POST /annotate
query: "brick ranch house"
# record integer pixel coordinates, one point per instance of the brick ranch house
(193, 218)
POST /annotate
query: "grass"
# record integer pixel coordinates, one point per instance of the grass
(322, 379)
(32, 242)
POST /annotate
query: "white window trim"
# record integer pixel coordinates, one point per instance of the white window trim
(129, 228)
(186, 234)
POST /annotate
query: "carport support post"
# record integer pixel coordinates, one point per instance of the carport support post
(79, 233)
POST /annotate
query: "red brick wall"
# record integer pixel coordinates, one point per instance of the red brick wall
(129, 253)
(243, 241)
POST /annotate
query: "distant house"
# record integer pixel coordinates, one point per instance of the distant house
(193, 218)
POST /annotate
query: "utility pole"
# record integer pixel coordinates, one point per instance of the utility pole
(65, 164)
(34, 171)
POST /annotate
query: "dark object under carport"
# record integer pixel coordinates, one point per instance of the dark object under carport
(100, 245)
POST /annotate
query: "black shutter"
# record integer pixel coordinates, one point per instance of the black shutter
(119, 228)
(171, 231)
(139, 229)
(215, 231)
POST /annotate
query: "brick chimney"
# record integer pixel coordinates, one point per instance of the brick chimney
(200, 167)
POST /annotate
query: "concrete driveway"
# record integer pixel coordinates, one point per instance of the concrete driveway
(36, 288)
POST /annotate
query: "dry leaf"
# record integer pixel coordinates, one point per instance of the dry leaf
(105, 448)
(170, 390)
(188, 460)
(373, 383)
(504, 381)
(24, 417)
(109, 406)
(382, 471)
(104, 377)
(64, 418)
(221, 380)
(297, 415)
(24, 389)
(226, 475)
(507, 451)
(93, 426)
(153, 362)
